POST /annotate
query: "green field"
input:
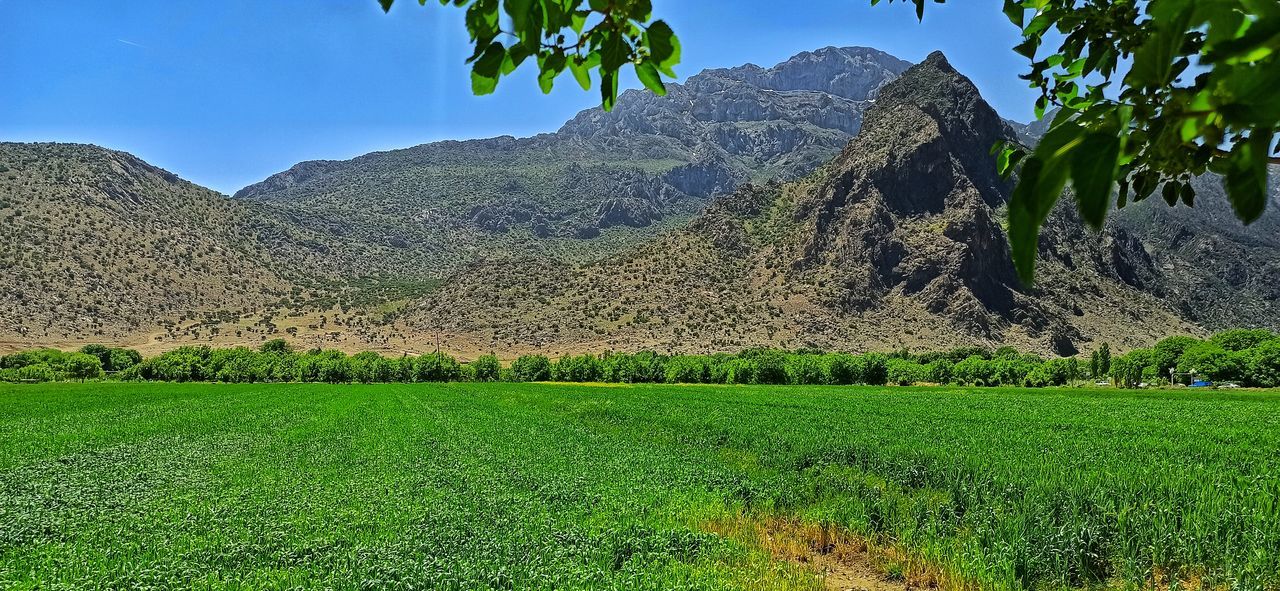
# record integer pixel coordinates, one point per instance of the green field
(536, 486)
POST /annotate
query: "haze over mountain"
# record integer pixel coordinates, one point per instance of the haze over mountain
(853, 205)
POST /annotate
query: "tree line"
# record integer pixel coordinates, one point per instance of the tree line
(1250, 357)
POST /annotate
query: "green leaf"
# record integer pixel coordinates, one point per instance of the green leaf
(1153, 61)
(1246, 180)
(1016, 13)
(578, 20)
(664, 47)
(549, 67)
(581, 73)
(648, 75)
(514, 57)
(1093, 172)
(386, 5)
(1044, 175)
(613, 52)
(518, 10)
(608, 89)
(484, 73)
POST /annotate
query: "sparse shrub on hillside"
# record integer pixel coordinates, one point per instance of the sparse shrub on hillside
(276, 346)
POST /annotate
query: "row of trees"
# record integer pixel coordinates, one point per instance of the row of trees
(1251, 357)
(51, 365)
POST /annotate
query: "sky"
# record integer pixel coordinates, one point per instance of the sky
(227, 93)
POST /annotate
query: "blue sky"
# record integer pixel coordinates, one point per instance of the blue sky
(226, 93)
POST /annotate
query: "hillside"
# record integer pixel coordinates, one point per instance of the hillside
(896, 242)
(740, 210)
(100, 244)
(603, 182)
(1213, 269)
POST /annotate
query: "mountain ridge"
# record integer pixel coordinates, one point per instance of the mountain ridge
(745, 216)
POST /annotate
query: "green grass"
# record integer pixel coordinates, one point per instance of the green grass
(474, 486)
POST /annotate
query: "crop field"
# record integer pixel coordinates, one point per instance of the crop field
(541, 486)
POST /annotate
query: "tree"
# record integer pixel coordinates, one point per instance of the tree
(904, 372)
(1166, 353)
(436, 367)
(486, 368)
(1129, 370)
(938, 371)
(1210, 359)
(532, 368)
(1240, 339)
(82, 366)
(840, 368)
(805, 370)
(687, 369)
(1104, 359)
(875, 369)
(973, 370)
(276, 346)
(1197, 94)
(364, 367)
(576, 368)
(770, 366)
(121, 359)
(1263, 365)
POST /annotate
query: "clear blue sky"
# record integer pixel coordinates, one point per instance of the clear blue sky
(225, 93)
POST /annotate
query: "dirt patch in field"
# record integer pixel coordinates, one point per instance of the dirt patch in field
(843, 561)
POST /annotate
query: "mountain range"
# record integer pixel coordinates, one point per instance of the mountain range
(843, 199)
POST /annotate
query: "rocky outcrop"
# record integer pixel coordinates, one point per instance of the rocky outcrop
(910, 205)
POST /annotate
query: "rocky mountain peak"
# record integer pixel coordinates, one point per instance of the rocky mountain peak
(855, 73)
(930, 120)
(908, 207)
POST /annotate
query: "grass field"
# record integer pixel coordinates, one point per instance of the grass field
(502, 486)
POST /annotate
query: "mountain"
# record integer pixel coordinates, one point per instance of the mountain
(896, 242)
(842, 199)
(99, 243)
(1215, 271)
(604, 181)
